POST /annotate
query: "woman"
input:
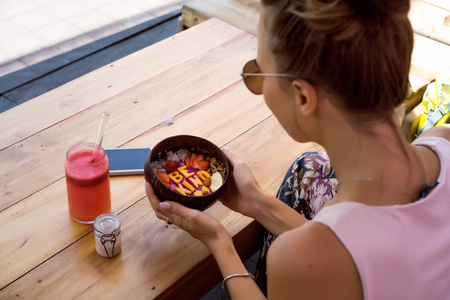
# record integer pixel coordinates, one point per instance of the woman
(334, 73)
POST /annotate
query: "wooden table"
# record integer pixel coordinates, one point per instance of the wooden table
(187, 84)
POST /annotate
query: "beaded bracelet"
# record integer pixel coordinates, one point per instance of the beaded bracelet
(224, 282)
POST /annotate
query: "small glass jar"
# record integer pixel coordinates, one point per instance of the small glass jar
(108, 242)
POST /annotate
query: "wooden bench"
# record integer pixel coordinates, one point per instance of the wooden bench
(243, 14)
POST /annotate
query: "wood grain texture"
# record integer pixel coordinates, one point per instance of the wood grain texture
(439, 3)
(150, 101)
(112, 79)
(428, 57)
(427, 18)
(148, 247)
(243, 14)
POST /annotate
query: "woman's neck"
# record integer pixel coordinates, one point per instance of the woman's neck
(374, 165)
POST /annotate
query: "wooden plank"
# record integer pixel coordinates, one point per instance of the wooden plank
(243, 14)
(151, 102)
(428, 58)
(204, 278)
(445, 4)
(154, 249)
(156, 253)
(191, 17)
(58, 105)
(428, 20)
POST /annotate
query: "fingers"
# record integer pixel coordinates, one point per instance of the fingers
(167, 209)
(230, 156)
(154, 201)
(197, 223)
(149, 190)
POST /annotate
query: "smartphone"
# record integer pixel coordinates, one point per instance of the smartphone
(127, 161)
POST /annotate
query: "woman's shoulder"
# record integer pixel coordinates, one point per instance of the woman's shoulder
(438, 131)
(312, 261)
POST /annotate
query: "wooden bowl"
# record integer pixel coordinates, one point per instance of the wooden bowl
(175, 143)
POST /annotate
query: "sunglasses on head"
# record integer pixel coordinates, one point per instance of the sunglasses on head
(253, 78)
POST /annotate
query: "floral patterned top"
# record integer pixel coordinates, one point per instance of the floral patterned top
(307, 186)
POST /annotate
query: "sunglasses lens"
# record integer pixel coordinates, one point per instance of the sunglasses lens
(253, 83)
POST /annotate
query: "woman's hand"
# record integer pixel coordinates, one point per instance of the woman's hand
(242, 193)
(197, 223)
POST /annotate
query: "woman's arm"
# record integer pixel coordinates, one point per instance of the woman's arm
(276, 216)
(230, 263)
(243, 194)
(210, 232)
(311, 263)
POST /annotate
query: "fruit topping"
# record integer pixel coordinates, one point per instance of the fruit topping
(187, 161)
(199, 162)
(216, 181)
(205, 190)
(171, 166)
(164, 178)
(190, 172)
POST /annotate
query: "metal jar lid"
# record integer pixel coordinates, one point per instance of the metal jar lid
(107, 224)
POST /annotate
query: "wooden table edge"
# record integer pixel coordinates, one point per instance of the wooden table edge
(206, 274)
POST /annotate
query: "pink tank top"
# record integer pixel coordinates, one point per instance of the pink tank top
(400, 251)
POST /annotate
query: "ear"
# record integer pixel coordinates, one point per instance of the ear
(306, 96)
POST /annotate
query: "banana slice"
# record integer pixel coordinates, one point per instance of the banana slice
(216, 181)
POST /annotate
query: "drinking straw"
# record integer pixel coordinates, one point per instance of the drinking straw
(101, 132)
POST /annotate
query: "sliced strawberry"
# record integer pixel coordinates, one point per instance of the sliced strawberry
(164, 178)
(171, 166)
(203, 165)
(197, 158)
(193, 156)
(200, 163)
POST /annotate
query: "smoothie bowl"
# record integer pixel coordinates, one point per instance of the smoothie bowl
(187, 169)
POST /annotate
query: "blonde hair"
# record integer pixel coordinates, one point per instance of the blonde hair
(358, 50)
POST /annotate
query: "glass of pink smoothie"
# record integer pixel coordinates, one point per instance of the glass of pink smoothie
(87, 181)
